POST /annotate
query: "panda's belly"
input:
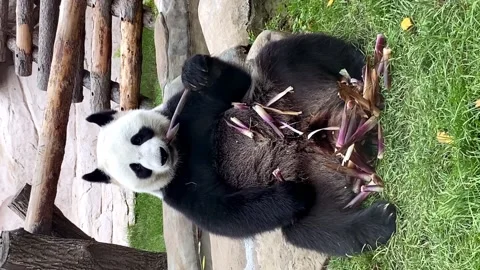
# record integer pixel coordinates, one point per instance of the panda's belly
(245, 162)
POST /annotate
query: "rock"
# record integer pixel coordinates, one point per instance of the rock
(226, 24)
(178, 35)
(263, 39)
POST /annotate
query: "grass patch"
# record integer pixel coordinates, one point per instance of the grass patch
(435, 79)
(147, 232)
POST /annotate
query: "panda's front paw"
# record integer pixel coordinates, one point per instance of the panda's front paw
(197, 73)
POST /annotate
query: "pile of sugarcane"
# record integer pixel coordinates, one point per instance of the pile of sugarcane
(360, 116)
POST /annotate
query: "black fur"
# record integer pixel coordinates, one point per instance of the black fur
(96, 176)
(101, 118)
(224, 180)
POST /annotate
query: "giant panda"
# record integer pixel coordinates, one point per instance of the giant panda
(221, 179)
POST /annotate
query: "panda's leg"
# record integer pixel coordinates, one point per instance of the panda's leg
(309, 57)
(216, 78)
(344, 233)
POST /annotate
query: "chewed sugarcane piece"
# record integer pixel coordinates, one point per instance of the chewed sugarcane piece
(386, 66)
(345, 74)
(240, 106)
(367, 83)
(321, 129)
(353, 172)
(237, 122)
(268, 119)
(346, 93)
(357, 183)
(352, 122)
(380, 43)
(360, 133)
(243, 131)
(371, 188)
(381, 142)
(358, 160)
(357, 200)
(278, 175)
(279, 96)
(348, 154)
(173, 128)
(280, 111)
(349, 105)
(285, 125)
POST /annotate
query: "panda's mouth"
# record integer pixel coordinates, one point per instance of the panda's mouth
(163, 156)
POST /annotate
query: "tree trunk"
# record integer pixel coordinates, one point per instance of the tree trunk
(101, 56)
(61, 225)
(116, 10)
(131, 54)
(3, 29)
(51, 147)
(48, 22)
(23, 52)
(22, 250)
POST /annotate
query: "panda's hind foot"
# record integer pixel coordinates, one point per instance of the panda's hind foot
(376, 224)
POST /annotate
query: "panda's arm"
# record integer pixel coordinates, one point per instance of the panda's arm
(242, 213)
(220, 81)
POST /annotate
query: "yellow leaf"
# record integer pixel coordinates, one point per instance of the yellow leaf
(477, 104)
(443, 137)
(406, 24)
(330, 2)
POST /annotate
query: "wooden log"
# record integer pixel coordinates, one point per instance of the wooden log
(23, 250)
(130, 54)
(23, 53)
(78, 86)
(51, 147)
(145, 102)
(61, 226)
(3, 29)
(101, 56)
(48, 21)
(116, 10)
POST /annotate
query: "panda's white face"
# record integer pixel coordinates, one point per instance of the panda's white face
(132, 150)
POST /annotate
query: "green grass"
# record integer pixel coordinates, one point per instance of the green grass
(436, 77)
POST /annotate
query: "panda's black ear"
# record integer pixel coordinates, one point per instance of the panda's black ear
(101, 118)
(96, 176)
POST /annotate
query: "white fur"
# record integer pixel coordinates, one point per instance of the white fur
(115, 152)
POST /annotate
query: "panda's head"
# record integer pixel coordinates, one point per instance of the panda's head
(132, 150)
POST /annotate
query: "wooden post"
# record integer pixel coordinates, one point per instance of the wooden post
(78, 86)
(3, 29)
(101, 56)
(130, 50)
(145, 102)
(116, 10)
(22, 250)
(51, 147)
(47, 28)
(23, 53)
(61, 226)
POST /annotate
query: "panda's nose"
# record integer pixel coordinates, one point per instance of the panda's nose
(163, 156)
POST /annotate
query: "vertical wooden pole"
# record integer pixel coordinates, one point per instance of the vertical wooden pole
(78, 86)
(47, 29)
(101, 56)
(3, 30)
(23, 52)
(131, 53)
(52, 140)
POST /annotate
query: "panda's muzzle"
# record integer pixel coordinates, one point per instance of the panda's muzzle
(163, 156)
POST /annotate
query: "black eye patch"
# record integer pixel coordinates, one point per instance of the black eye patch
(140, 171)
(143, 135)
